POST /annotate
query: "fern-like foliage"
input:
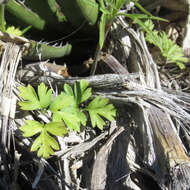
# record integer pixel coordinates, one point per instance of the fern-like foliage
(169, 49)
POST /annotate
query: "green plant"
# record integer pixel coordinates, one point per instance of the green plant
(110, 9)
(35, 50)
(10, 29)
(55, 14)
(169, 50)
(68, 112)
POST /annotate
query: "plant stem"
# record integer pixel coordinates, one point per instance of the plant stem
(96, 57)
(2, 18)
(98, 50)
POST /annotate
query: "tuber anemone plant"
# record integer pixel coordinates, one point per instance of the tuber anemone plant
(69, 110)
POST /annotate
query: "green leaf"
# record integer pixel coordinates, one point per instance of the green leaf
(169, 50)
(67, 110)
(102, 26)
(56, 128)
(28, 93)
(81, 91)
(100, 107)
(13, 30)
(44, 143)
(57, 116)
(82, 117)
(77, 93)
(72, 117)
(45, 95)
(36, 144)
(86, 92)
(120, 3)
(31, 128)
(68, 90)
(71, 120)
(31, 100)
(61, 101)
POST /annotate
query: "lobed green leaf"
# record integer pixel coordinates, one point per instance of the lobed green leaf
(31, 128)
(56, 128)
(169, 50)
(45, 143)
(61, 101)
(66, 114)
(31, 100)
(68, 90)
(100, 107)
(86, 92)
(71, 118)
(45, 95)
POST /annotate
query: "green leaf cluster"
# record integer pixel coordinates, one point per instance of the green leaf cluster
(111, 8)
(10, 29)
(169, 50)
(69, 111)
